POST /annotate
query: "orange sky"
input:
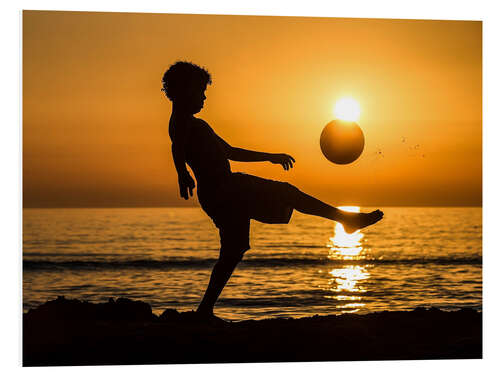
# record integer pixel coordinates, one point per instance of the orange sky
(95, 121)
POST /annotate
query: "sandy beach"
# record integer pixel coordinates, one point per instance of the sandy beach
(71, 332)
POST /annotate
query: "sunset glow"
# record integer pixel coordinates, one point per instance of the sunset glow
(102, 141)
(347, 109)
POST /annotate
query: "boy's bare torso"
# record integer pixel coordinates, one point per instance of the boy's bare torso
(205, 151)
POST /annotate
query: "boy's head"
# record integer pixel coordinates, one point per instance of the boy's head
(185, 83)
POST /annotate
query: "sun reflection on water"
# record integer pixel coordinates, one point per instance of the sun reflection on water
(347, 279)
(344, 283)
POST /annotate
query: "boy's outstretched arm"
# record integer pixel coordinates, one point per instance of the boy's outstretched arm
(240, 154)
(178, 135)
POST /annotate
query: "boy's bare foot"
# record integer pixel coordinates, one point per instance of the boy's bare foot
(354, 221)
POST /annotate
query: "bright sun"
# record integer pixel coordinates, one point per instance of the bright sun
(347, 109)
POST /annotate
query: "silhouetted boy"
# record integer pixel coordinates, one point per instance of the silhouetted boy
(232, 199)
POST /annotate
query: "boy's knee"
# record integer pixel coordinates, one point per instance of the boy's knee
(233, 255)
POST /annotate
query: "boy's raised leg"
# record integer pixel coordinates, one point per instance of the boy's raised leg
(351, 221)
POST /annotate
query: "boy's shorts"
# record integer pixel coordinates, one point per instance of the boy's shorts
(242, 197)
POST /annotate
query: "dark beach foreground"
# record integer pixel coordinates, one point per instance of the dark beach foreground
(72, 332)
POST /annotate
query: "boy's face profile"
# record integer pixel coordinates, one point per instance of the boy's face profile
(193, 98)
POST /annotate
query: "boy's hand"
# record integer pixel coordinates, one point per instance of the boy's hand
(284, 159)
(186, 183)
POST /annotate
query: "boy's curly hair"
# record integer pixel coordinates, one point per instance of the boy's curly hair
(180, 75)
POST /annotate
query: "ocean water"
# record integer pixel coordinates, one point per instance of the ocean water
(163, 256)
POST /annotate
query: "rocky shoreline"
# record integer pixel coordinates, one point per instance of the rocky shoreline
(71, 332)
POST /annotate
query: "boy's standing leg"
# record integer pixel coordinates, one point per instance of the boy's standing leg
(234, 238)
(221, 273)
